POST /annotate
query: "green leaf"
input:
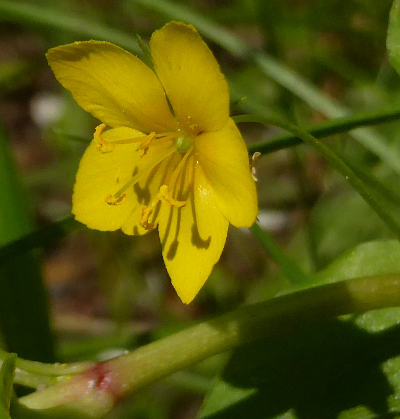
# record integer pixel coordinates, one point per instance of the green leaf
(339, 369)
(374, 258)
(344, 368)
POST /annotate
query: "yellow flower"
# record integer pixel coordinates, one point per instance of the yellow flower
(166, 155)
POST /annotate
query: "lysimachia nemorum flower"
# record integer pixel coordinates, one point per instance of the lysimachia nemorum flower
(166, 155)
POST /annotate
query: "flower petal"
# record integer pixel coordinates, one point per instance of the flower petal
(224, 159)
(113, 85)
(192, 79)
(103, 174)
(193, 236)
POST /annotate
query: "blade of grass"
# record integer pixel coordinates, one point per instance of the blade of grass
(23, 300)
(276, 70)
(41, 16)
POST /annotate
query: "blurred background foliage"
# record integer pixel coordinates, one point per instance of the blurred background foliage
(109, 292)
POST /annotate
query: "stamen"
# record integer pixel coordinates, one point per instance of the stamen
(102, 145)
(145, 144)
(113, 200)
(120, 195)
(162, 195)
(179, 168)
(144, 140)
(167, 198)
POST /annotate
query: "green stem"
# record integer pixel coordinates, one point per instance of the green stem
(100, 387)
(289, 268)
(338, 163)
(335, 126)
(38, 374)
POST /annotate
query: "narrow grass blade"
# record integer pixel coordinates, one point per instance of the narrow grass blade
(23, 302)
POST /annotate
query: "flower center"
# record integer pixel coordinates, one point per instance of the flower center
(183, 145)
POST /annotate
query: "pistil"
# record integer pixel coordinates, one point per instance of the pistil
(183, 143)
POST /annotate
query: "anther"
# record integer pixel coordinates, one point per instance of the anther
(164, 194)
(145, 144)
(147, 212)
(115, 200)
(253, 162)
